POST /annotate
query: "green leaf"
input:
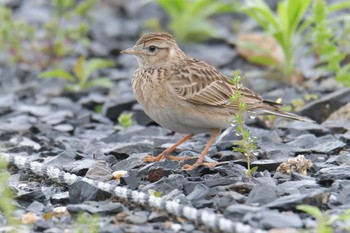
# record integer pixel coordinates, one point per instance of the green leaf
(96, 64)
(78, 69)
(57, 73)
(339, 6)
(312, 210)
(100, 82)
(72, 87)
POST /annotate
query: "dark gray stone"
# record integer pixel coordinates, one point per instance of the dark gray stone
(307, 142)
(163, 168)
(35, 110)
(337, 126)
(300, 127)
(105, 207)
(236, 211)
(115, 106)
(330, 174)
(130, 180)
(137, 133)
(111, 228)
(43, 224)
(340, 160)
(36, 207)
(80, 167)
(319, 110)
(218, 55)
(20, 123)
(167, 184)
(99, 171)
(223, 202)
(7, 102)
(262, 194)
(155, 216)
(137, 218)
(316, 198)
(274, 219)
(60, 198)
(346, 137)
(267, 164)
(199, 192)
(297, 187)
(133, 161)
(130, 148)
(81, 191)
(64, 127)
(344, 194)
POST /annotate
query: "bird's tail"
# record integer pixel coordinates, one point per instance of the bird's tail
(275, 109)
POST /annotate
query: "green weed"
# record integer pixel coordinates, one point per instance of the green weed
(189, 19)
(325, 220)
(247, 144)
(285, 26)
(7, 206)
(330, 48)
(82, 71)
(59, 37)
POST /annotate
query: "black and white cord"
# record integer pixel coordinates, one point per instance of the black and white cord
(214, 221)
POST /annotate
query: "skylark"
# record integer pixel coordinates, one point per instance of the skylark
(187, 95)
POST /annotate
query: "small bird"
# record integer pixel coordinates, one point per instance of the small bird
(187, 95)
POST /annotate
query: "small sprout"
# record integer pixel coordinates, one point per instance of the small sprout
(87, 223)
(154, 193)
(125, 120)
(98, 108)
(251, 171)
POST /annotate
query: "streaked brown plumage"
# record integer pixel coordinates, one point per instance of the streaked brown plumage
(187, 95)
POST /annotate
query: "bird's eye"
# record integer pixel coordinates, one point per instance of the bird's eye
(152, 48)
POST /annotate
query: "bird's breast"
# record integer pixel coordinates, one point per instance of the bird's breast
(149, 88)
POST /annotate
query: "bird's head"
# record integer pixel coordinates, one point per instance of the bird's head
(155, 49)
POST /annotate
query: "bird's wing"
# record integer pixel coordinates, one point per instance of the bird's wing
(199, 83)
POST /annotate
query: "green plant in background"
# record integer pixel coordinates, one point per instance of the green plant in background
(329, 47)
(7, 207)
(285, 26)
(60, 36)
(86, 223)
(12, 35)
(82, 71)
(189, 19)
(125, 120)
(247, 144)
(324, 219)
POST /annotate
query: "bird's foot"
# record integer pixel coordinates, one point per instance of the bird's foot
(171, 157)
(151, 159)
(188, 167)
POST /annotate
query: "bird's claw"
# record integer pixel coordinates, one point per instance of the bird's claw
(151, 159)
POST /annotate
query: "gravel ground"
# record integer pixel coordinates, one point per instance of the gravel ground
(298, 162)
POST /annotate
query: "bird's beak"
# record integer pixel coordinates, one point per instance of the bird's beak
(131, 51)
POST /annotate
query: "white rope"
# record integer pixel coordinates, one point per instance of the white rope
(209, 219)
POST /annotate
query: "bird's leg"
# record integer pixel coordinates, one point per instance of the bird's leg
(213, 134)
(168, 151)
